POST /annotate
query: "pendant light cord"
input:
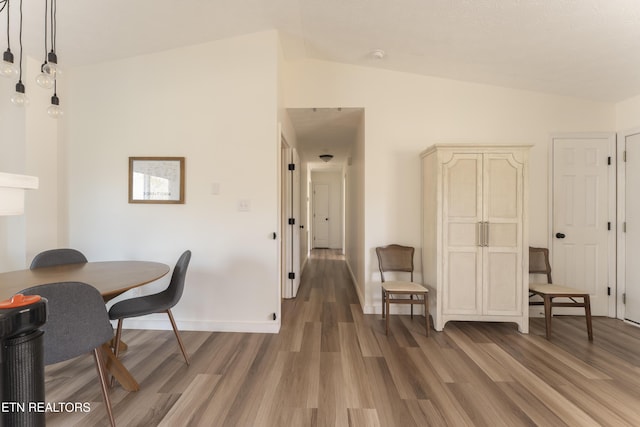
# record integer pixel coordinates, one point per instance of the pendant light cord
(20, 77)
(46, 22)
(54, 29)
(5, 4)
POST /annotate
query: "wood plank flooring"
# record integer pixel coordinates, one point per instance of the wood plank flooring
(333, 366)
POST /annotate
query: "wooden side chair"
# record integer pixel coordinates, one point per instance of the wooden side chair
(398, 258)
(539, 264)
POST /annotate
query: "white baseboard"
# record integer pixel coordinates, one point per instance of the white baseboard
(355, 285)
(202, 325)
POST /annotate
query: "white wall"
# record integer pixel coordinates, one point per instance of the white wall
(216, 104)
(28, 145)
(354, 212)
(406, 113)
(628, 114)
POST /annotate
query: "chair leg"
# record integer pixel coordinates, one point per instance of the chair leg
(426, 312)
(547, 315)
(411, 296)
(97, 354)
(116, 345)
(383, 302)
(587, 313)
(388, 315)
(175, 330)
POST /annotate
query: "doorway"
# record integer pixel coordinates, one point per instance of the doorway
(290, 241)
(327, 213)
(628, 231)
(583, 217)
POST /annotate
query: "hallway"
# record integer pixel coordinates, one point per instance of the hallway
(333, 366)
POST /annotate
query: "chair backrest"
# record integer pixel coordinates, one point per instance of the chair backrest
(174, 291)
(539, 262)
(77, 320)
(395, 258)
(57, 257)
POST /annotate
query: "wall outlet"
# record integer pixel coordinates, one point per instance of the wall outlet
(244, 205)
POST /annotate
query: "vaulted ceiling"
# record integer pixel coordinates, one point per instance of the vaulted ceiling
(584, 48)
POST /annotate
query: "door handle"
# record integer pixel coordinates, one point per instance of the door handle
(486, 233)
(560, 235)
(326, 219)
(480, 231)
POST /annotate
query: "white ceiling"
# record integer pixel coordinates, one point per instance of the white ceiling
(583, 48)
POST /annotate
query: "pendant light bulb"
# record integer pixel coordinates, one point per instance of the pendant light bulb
(54, 111)
(50, 67)
(19, 99)
(7, 68)
(45, 80)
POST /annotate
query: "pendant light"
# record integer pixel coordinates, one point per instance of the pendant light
(43, 79)
(54, 111)
(7, 68)
(20, 98)
(49, 68)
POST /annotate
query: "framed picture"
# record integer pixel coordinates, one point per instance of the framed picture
(156, 179)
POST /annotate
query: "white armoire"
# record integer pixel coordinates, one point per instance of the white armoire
(475, 233)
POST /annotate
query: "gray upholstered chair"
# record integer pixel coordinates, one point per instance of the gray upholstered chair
(157, 303)
(398, 258)
(77, 323)
(57, 257)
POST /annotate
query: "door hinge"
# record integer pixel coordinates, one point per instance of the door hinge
(624, 227)
(608, 290)
(292, 221)
(624, 298)
(292, 166)
(609, 160)
(292, 275)
(624, 156)
(609, 225)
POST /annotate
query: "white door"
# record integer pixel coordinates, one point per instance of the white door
(321, 218)
(583, 245)
(295, 227)
(290, 221)
(631, 234)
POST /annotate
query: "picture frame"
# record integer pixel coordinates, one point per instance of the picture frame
(156, 180)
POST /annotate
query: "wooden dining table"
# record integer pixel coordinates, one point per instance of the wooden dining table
(111, 278)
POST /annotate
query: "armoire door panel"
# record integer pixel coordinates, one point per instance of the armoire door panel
(464, 277)
(462, 187)
(462, 235)
(503, 283)
(503, 235)
(501, 188)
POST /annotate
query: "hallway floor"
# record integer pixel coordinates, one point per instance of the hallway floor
(333, 366)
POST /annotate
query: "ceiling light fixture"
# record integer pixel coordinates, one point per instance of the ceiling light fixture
(326, 157)
(7, 68)
(45, 79)
(54, 111)
(378, 54)
(50, 65)
(19, 98)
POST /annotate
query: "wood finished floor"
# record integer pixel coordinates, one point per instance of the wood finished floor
(333, 366)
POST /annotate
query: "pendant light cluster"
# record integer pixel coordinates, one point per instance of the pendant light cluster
(49, 69)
